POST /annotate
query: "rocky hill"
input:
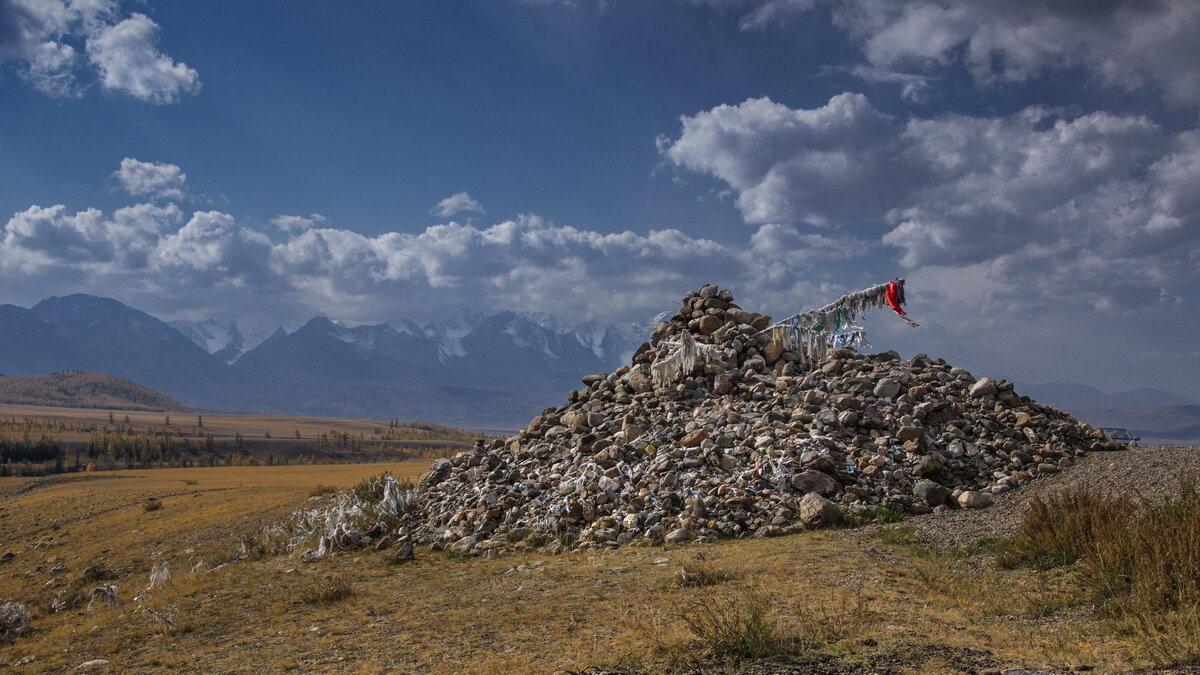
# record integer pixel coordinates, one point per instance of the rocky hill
(84, 390)
(745, 436)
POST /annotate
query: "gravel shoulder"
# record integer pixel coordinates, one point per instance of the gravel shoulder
(1151, 472)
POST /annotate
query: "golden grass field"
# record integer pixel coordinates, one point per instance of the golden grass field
(876, 599)
(278, 426)
(284, 436)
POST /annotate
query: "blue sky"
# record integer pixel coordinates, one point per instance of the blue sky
(1030, 168)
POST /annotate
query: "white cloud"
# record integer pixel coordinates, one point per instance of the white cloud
(459, 202)
(913, 88)
(213, 262)
(151, 179)
(129, 63)
(808, 165)
(1099, 208)
(43, 39)
(1123, 44)
(39, 239)
(298, 224)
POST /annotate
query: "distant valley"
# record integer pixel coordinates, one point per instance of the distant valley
(1157, 416)
(493, 371)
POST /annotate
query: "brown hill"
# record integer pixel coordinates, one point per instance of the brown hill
(84, 389)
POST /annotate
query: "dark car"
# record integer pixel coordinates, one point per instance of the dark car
(1121, 436)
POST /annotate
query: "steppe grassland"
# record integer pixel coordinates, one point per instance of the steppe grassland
(220, 424)
(844, 594)
(100, 517)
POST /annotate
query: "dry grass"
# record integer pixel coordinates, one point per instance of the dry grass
(1140, 561)
(700, 571)
(316, 439)
(322, 490)
(1059, 529)
(844, 595)
(737, 626)
(326, 589)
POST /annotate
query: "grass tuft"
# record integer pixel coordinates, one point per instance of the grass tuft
(1060, 529)
(322, 490)
(1140, 561)
(700, 571)
(737, 626)
(327, 589)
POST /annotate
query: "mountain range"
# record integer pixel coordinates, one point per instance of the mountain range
(1072, 396)
(478, 370)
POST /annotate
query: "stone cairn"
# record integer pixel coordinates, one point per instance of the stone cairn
(746, 442)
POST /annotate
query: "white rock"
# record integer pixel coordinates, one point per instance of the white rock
(973, 499)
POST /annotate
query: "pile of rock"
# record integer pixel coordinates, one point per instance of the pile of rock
(746, 444)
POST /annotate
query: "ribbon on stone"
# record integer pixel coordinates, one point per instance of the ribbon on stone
(895, 298)
(681, 362)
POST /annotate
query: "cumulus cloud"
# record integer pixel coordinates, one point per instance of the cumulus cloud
(128, 62)
(807, 165)
(297, 224)
(151, 179)
(209, 261)
(458, 202)
(43, 41)
(48, 238)
(1096, 207)
(1123, 43)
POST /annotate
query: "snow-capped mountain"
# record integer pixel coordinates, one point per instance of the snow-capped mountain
(502, 345)
(485, 370)
(219, 338)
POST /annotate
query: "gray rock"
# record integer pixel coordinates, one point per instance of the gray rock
(815, 481)
(816, 511)
(887, 388)
(984, 386)
(464, 546)
(930, 492)
(678, 536)
(702, 455)
(404, 552)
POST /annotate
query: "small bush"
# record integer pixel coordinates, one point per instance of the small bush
(327, 589)
(152, 504)
(1060, 529)
(700, 571)
(1140, 561)
(14, 619)
(739, 626)
(889, 513)
(1153, 562)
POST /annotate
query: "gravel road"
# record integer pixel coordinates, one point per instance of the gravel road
(1152, 472)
